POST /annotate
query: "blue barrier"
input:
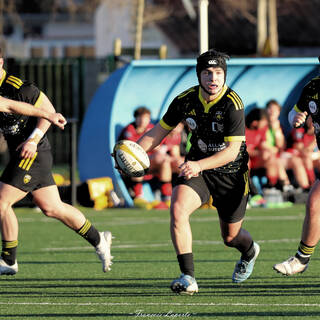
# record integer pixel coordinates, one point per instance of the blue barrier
(154, 83)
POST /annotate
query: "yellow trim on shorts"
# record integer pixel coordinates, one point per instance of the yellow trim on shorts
(25, 164)
(246, 180)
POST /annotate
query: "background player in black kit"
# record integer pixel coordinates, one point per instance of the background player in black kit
(308, 105)
(29, 170)
(216, 165)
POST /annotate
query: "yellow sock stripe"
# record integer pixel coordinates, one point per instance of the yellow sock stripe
(9, 244)
(306, 250)
(85, 228)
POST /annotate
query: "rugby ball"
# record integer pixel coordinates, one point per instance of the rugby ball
(131, 158)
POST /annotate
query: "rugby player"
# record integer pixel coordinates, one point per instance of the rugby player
(307, 105)
(215, 165)
(29, 170)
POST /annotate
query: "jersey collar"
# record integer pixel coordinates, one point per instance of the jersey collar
(208, 105)
(4, 74)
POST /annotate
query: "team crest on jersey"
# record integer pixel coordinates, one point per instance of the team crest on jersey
(218, 115)
(26, 178)
(191, 123)
(312, 107)
(202, 146)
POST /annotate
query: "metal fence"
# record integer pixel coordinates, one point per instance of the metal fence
(70, 84)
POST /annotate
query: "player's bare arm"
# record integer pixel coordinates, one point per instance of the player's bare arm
(12, 106)
(153, 137)
(29, 147)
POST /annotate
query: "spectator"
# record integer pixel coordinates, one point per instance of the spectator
(261, 155)
(301, 151)
(160, 163)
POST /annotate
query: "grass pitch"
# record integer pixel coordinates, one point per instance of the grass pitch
(60, 276)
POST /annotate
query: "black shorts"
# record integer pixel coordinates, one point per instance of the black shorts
(229, 192)
(29, 174)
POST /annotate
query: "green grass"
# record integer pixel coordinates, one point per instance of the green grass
(60, 277)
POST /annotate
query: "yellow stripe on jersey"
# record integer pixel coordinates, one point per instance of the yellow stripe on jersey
(13, 84)
(25, 164)
(235, 138)
(206, 105)
(3, 77)
(236, 100)
(295, 108)
(39, 100)
(183, 94)
(18, 81)
(164, 125)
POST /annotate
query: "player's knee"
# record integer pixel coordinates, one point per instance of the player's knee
(230, 241)
(4, 207)
(50, 211)
(178, 212)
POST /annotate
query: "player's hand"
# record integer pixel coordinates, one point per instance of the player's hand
(28, 149)
(189, 169)
(299, 119)
(58, 119)
(117, 167)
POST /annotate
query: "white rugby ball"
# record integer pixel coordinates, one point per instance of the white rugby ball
(131, 158)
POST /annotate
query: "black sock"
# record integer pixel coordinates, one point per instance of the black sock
(304, 252)
(249, 254)
(90, 233)
(186, 263)
(9, 251)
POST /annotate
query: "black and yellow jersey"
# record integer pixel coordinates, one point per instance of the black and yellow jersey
(17, 128)
(211, 124)
(309, 101)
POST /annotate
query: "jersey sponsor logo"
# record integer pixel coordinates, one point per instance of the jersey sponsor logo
(312, 107)
(216, 147)
(210, 147)
(191, 123)
(202, 146)
(26, 178)
(217, 127)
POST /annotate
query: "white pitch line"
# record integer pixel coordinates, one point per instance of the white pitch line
(211, 304)
(164, 244)
(143, 221)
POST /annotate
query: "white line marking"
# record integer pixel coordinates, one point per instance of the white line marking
(165, 304)
(164, 244)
